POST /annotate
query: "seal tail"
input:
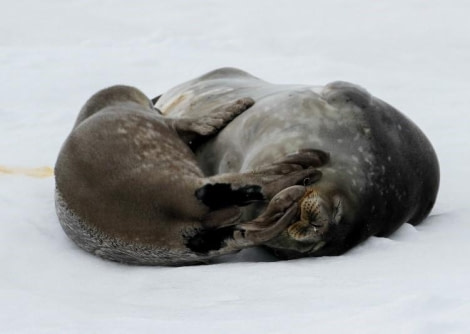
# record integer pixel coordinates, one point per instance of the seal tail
(38, 172)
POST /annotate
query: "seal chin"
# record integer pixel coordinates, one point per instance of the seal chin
(318, 210)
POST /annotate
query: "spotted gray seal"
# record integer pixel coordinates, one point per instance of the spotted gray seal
(129, 189)
(383, 171)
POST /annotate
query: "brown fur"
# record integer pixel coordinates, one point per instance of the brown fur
(129, 174)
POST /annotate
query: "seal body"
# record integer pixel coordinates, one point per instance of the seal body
(382, 172)
(129, 188)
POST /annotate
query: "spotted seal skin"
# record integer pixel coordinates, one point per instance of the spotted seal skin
(382, 171)
(129, 188)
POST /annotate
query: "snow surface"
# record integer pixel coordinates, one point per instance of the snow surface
(55, 54)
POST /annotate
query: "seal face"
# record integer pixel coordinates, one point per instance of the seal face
(129, 187)
(382, 171)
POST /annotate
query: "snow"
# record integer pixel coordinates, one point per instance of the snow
(55, 54)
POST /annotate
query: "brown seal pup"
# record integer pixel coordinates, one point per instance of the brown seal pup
(382, 172)
(129, 189)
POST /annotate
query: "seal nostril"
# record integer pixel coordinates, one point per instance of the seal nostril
(314, 224)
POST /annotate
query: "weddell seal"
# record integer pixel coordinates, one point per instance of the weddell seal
(128, 187)
(382, 172)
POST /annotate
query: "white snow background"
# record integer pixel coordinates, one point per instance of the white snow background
(55, 54)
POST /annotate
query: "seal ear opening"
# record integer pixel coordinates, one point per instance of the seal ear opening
(337, 209)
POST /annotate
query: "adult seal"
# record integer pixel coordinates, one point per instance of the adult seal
(382, 171)
(129, 189)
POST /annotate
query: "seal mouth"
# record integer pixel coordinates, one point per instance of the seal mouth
(318, 211)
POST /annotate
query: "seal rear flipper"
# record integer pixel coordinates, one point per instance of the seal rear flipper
(194, 130)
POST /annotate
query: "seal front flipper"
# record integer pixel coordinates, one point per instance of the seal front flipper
(305, 158)
(294, 169)
(217, 240)
(228, 216)
(217, 226)
(220, 195)
(192, 129)
(280, 213)
(241, 189)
